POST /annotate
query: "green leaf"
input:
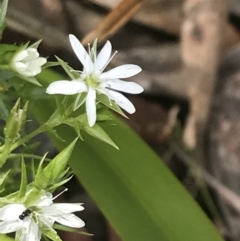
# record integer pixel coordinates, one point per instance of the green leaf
(31, 80)
(133, 188)
(3, 11)
(99, 133)
(24, 180)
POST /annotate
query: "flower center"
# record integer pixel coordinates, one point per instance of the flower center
(92, 81)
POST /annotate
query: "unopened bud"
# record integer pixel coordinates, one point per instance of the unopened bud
(15, 121)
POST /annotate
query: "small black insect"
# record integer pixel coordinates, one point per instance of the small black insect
(25, 214)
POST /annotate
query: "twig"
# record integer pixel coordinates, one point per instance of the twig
(229, 196)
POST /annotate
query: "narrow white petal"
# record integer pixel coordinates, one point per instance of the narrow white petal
(122, 101)
(30, 233)
(33, 233)
(124, 86)
(123, 71)
(103, 57)
(11, 211)
(81, 53)
(91, 107)
(10, 226)
(61, 208)
(46, 220)
(66, 87)
(70, 220)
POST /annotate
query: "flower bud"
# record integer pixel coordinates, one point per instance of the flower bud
(27, 62)
(15, 121)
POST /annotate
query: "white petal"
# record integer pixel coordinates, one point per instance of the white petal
(123, 71)
(37, 62)
(122, 101)
(124, 86)
(11, 211)
(65, 87)
(32, 54)
(10, 226)
(20, 56)
(61, 208)
(103, 57)
(81, 53)
(91, 106)
(70, 220)
(19, 66)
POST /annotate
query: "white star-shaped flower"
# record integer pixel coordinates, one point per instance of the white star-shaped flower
(28, 222)
(27, 62)
(94, 81)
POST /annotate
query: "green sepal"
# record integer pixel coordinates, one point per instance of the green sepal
(24, 181)
(40, 180)
(54, 169)
(110, 104)
(32, 196)
(3, 11)
(50, 64)
(54, 186)
(72, 230)
(70, 71)
(35, 45)
(4, 201)
(7, 51)
(51, 233)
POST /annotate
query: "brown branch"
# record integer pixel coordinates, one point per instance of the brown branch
(114, 20)
(202, 34)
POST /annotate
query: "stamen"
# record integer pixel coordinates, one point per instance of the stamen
(110, 59)
(59, 194)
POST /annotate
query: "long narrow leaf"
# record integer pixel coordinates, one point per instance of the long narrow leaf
(133, 188)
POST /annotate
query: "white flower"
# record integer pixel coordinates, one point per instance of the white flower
(27, 62)
(30, 222)
(94, 81)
